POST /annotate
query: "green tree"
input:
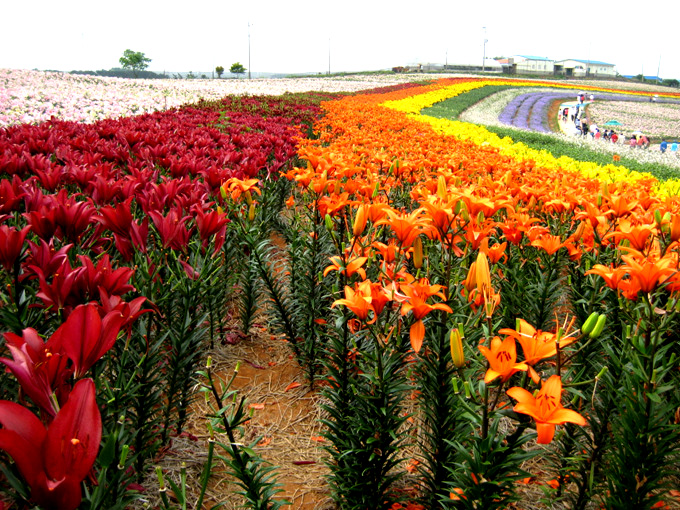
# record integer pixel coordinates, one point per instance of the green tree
(237, 68)
(134, 60)
(671, 83)
(219, 70)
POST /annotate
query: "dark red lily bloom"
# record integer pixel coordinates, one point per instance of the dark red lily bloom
(11, 194)
(117, 219)
(130, 311)
(211, 224)
(39, 367)
(171, 229)
(11, 245)
(103, 276)
(43, 222)
(72, 216)
(54, 460)
(43, 256)
(85, 337)
(59, 292)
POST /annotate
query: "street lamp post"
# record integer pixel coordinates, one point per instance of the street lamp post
(484, 53)
(249, 50)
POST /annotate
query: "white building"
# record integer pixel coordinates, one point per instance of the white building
(525, 64)
(573, 67)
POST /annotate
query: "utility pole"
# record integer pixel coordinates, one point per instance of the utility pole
(484, 54)
(249, 50)
(329, 56)
(658, 68)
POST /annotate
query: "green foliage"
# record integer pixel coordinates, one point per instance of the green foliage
(365, 393)
(453, 107)
(134, 60)
(255, 478)
(237, 69)
(220, 71)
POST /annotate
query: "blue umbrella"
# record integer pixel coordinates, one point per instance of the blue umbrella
(612, 123)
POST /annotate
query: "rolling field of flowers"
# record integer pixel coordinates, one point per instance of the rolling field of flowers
(475, 321)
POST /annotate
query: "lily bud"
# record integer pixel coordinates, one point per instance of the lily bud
(599, 326)
(418, 252)
(329, 223)
(675, 227)
(251, 211)
(249, 198)
(223, 192)
(360, 220)
(483, 274)
(579, 231)
(456, 341)
(657, 217)
(441, 187)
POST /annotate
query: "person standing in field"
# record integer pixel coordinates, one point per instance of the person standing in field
(663, 146)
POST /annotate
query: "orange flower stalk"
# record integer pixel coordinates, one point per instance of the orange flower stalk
(502, 358)
(546, 408)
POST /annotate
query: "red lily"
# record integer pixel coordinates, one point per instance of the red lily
(54, 460)
(11, 245)
(85, 337)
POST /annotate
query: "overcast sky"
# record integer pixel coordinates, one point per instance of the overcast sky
(293, 36)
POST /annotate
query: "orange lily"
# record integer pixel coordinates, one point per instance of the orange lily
(237, 187)
(546, 408)
(406, 227)
(649, 274)
(502, 358)
(549, 243)
(358, 300)
(353, 267)
(537, 345)
(638, 235)
(416, 295)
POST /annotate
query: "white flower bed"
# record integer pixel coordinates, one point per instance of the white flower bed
(653, 119)
(35, 96)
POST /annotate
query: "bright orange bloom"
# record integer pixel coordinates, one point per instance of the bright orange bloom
(647, 274)
(358, 300)
(502, 358)
(549, 243)
(546, 408)
(495, 253)
(237, 187)
(536, 345)
(406, 227)
(416, 295)
(638, 235)
(612, 276)
(353, 267)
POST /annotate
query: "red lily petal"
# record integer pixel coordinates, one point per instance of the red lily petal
(73, 437)
(22, 438)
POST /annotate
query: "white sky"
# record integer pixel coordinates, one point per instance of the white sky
(292, 36)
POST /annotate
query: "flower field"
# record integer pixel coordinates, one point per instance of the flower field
(33, 96)
(479, 322)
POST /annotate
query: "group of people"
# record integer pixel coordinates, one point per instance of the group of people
(664, 146)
